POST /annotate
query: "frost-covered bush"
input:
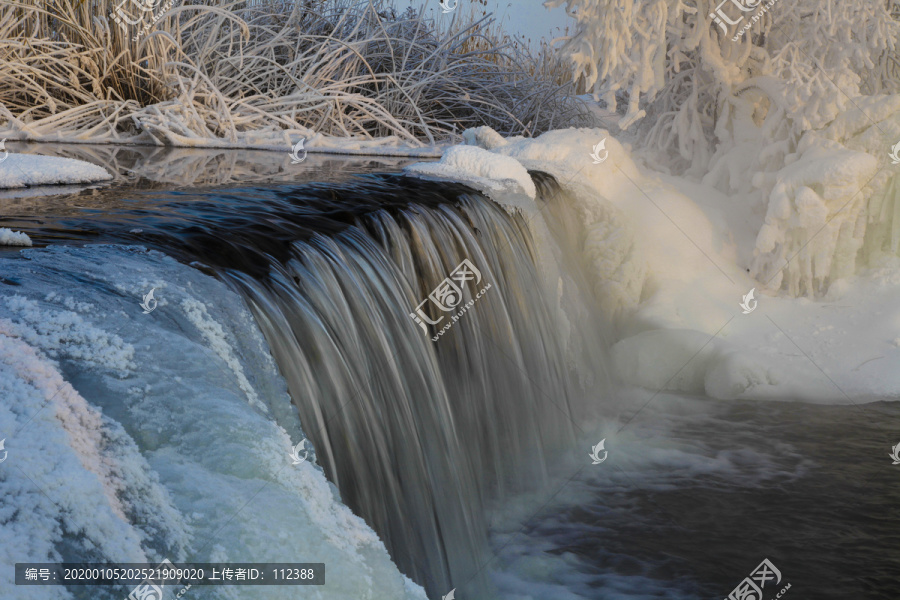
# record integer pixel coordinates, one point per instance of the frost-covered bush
(669, 61)
(788, 105)
(247, 71)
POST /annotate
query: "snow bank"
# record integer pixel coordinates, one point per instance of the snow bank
(22, 170)
(136, 437)
(821, 206)
(668, 260)
(814, 206)
(8, 237)
(486, 171)
(689, 361)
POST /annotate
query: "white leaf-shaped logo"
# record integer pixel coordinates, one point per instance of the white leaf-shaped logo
(895, 454)
(3, 148)
(601, 147)
(748, 303)
(149, 302)
(895, 154)
(3, 447)
(298, 153)
(295, 453)
(595, 452)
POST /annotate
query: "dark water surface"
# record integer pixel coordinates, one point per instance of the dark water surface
(697, 493)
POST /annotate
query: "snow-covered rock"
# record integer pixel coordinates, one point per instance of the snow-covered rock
(486, 171)
(8, 237)
(23, 170)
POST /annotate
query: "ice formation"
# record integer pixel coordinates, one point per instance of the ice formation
(21, 170)
(8, 237)
(666, 256)
(157, 449)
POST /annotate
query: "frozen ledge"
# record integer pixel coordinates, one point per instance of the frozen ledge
(502, 178)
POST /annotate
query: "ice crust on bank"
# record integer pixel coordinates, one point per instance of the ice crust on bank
(24, 170)
(118, 419)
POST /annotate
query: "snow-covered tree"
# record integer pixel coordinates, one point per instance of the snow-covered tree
(789, 105)
(685, 64)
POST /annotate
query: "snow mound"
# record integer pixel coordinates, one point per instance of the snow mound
(684, 360)
(484, 137)
(484, 170)
(22, 170)
(567, 155)
(8, 237)
(608, 241)
(814, 206)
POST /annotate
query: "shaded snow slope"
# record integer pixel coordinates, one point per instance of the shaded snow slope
(135, 437)
(668, 260)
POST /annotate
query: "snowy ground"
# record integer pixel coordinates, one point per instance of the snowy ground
(671, 257)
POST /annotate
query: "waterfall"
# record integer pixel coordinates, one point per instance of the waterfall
(418, 435)
(421, 432)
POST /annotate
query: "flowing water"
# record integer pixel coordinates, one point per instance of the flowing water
(289, 307)
(417, 435)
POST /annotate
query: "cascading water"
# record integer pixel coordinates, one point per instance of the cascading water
(419, 436)
(414, 433)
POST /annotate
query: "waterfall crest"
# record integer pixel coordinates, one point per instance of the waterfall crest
(418, 435)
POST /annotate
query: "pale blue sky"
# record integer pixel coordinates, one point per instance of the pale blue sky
(528, 18)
